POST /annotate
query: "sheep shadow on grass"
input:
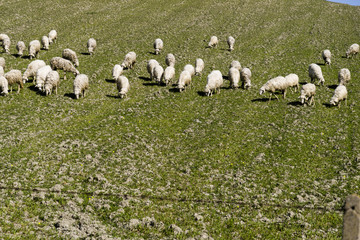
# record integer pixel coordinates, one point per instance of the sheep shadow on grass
(151, 84)
(153, 53)
(295, 103)
(333, 86)
(145, 78)
(174, 90)
(321, 64)
(202, 93)
(25, 57)
(36, 90)
(328, 105)
(70, 95)
(263, 100)
(113, 96)
(85, 53)
(109, 80)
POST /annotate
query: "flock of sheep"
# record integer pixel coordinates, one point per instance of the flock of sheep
(47, 79)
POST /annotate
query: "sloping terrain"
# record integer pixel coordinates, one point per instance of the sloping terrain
(162, 164)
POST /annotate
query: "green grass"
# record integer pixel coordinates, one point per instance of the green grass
(252, 169)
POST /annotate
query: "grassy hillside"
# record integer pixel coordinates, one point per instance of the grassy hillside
(162, 164)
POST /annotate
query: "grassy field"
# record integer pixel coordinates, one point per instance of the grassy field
(167, 165)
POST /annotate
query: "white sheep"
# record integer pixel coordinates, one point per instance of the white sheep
(34, 48)
(70, 55)
(151, 64)
(213, 42)
(52, 81)
(20, 47)
(307, 93)
(293, 81)
(91, 45)
(326, 55)
(41, 74)
(158, 45)
(6, 45)
(344, 76)
(234, 77)
(32, 69)
(2, 72)
(14, 77)
(2, 62)
(45, 42)
(316, 73)
(184, 80)
(353, 50)
(81, 83)
(340, 94)
(273, 85)
(58, 63)
(236, 64)
(158, 73)
(199, 66)
(123, 86)
(2, 37)
(129, 61)
(4, 86)
(231, 42)
(117, 71)
(245, 77)
(214, 82)
(170, 60)
(52, 36)
(169, 74)
(190, 68)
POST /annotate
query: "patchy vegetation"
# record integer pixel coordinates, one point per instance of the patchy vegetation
(164, 164)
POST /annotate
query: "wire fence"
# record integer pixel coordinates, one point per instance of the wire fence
(173, 199)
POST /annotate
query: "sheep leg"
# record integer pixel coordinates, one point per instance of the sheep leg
(65, 75)
(18, 91)
(270, 97)
(276, 96)
(284, 94)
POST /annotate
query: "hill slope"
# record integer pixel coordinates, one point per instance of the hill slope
(229, 166)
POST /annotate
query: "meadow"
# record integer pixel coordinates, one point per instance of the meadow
(161, 164)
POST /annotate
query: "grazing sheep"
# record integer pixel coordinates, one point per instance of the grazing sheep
(6, 45)
(199, 66)
(2, 71)
(340, 94)
(214, 82)
(158, 73)
(326, 55)
(245, 77)
(34, 48)
(344, 76)
(151, 64)
(20, 47)
(234, 77)
(353, 50)
(129, 61)
(70, 55)
(4, 86)
(32, 69)
(45, 42)
(52, 36)
(316, 73)
(2, 37)
(275, 84)
(292, 81)
(117, 71)
(52, 81)
(41, 74)
(158, 45)
(184, 80)
(213, 42)
(236, 64)
(190, 68)
(81, 83)
(58, 63)
(231, 42)
(307, 93)
(169, 74)
(123, 86)
(14, 77)
(91, 45)
(170, 60)
(2, 62)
